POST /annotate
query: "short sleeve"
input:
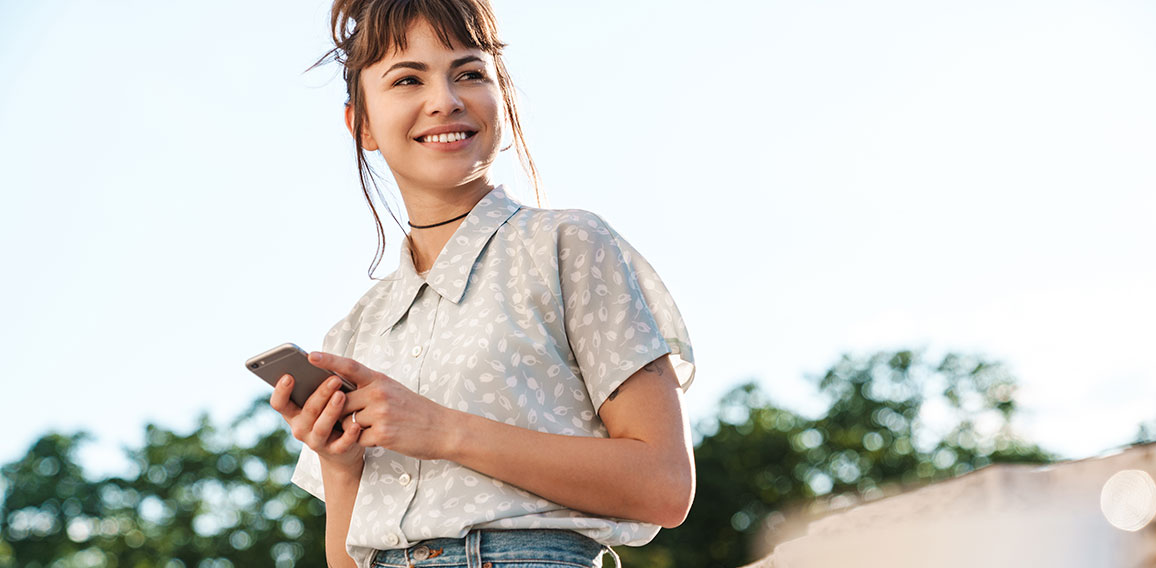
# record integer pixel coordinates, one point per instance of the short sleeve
(307, 474)
(619, 315)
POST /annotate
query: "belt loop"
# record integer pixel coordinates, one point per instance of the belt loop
(474, 549)
(614, 555)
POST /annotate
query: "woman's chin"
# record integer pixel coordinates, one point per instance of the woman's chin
(443, 179)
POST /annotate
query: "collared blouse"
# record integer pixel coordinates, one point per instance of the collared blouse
(528, 316)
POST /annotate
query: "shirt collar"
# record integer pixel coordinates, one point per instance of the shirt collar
(451, 271)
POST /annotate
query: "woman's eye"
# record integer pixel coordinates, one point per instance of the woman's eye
(406, 81)
(473, 75)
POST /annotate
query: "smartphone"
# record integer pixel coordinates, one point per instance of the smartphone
(290, 359)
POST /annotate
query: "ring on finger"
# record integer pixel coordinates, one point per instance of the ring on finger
(354, 417)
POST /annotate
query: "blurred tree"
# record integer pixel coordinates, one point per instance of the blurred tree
(223, 497)
(45, 493)
(894, 421)
(211, 498)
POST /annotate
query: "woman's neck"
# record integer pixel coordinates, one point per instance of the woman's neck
(429, 207)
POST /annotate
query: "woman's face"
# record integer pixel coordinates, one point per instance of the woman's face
(434, 113)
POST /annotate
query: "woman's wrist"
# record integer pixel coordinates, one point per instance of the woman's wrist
(454, 434)
(343, 470)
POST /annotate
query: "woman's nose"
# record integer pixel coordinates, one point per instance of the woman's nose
(443, 99)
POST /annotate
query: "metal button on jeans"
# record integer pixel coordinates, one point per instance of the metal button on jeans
(420, 553)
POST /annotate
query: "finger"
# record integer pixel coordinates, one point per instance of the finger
(358, 400)
(347, 440)
(280, 398)
(345, 367)
(317, 401)
(323, 427)
(361, 424)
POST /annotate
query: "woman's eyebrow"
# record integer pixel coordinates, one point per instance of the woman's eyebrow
(419, 66)
(463, 60)
(407, 65)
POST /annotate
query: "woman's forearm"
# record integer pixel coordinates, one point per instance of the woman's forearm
(341, 483)
(645, 474)
(604, 476)
(644, 471)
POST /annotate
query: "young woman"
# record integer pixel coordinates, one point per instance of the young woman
(519, 376)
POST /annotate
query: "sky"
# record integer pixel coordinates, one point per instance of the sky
(810, 179)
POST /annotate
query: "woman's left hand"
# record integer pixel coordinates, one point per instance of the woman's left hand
(389, 414)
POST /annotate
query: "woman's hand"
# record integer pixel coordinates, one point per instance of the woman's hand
(314, 423)
(389, 414)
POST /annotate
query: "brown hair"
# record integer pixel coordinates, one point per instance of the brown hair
(365, 30)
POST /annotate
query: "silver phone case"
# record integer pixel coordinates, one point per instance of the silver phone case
(291, 359)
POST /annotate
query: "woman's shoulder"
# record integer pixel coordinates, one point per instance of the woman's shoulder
(537, 224)
(373, 300)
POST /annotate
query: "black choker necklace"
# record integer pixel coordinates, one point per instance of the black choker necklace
(439, 224)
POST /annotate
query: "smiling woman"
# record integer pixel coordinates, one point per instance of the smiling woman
(467, 34)
(520, 375)
(436, 111)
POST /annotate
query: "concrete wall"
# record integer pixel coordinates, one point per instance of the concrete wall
(1002, 515)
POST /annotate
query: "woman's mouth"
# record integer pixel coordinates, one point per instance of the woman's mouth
(446, 138)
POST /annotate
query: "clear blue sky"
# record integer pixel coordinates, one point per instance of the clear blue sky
(809, 178)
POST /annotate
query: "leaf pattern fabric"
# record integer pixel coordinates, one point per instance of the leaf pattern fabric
(530, 317)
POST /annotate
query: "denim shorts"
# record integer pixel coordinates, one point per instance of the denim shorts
(500, 549)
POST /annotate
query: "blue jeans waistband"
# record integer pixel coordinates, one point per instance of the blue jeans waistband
(483, 548)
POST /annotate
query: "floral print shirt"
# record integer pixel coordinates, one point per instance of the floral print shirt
(530, 317)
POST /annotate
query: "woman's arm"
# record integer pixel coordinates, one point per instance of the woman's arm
(644, 471)
(340, 492)
(342, 459)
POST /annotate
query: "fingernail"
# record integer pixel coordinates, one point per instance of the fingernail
(315, 356)
(284, 381)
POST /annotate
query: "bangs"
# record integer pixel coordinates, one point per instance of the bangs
(382, 27)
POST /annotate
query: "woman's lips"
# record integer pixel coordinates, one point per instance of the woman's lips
(453, 141)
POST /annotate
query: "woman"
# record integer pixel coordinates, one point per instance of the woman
(519, 377)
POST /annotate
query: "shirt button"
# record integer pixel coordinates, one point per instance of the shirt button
(405, 479)
(416, 351)
(392, 539)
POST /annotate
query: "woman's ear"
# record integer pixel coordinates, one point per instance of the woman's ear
(367, 141)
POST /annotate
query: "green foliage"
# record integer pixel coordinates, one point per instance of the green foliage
(202, 499)
(757, 461)
(45, 491)
(222, 497)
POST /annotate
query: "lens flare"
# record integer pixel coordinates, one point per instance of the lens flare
(1128, 499)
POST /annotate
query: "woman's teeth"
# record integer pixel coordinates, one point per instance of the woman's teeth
(445, 138)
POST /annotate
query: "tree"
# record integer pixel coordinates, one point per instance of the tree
(757, 461)
(207, 498)
(45, 492)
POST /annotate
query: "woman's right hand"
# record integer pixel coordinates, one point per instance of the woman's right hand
(314, 423)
